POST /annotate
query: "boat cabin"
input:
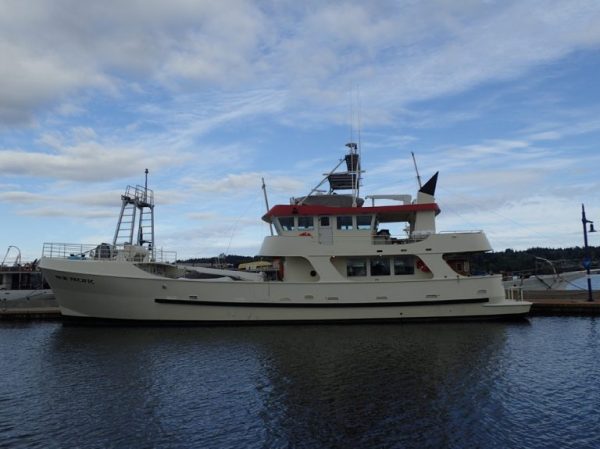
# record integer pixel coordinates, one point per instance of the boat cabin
(329, 223)
(336, 237)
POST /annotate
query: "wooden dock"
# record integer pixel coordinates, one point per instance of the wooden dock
(30, 314)
(563, 302)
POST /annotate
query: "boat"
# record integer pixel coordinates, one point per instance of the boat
(559, 281)
(533, 280)
(21, 283)
(335, 257)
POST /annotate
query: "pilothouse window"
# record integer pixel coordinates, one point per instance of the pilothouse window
(363, 222)
(344, 223)
(287, 223)
(305, 223)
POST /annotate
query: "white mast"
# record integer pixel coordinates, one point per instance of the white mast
(416, 169)
(264, 188)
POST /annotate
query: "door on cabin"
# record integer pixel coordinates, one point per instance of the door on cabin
(325, 231)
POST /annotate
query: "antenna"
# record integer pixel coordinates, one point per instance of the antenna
(357, 149)
(416, 169)
(146, 185)
(359, 124)
(351, 116)
(264, 188)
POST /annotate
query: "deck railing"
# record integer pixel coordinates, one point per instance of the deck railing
(107, 252)
(514, 293)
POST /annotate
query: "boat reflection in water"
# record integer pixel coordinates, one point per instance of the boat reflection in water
(373, 386)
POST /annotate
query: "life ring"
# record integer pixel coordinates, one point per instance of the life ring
(305, 234)
(421, 266)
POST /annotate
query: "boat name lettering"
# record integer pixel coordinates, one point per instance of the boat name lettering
(75, 279)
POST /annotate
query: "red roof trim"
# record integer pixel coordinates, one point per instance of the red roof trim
(290, 210)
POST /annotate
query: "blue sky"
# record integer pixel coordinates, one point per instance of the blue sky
(501, 97)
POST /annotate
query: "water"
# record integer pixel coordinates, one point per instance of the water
(529, 384)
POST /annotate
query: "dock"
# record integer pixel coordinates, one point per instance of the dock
(31, 314)
(563, 302)
(553, 306)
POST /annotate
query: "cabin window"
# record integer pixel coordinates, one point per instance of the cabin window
(404, 265)
(356, 267)
(287, 223)
(363, 222)
(324, 221)
(344, 223)
(380, 266)
(460, 263)
(306, 223)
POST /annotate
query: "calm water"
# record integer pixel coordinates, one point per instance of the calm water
(530, 384)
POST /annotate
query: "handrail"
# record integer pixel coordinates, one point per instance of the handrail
(107, 252)
(468, 231)
(514, 293)
(17, 259)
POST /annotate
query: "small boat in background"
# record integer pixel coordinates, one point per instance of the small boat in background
(533, 280)
(22, 283)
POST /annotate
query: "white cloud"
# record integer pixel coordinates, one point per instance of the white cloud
(243, 183)
(62, 212)
(397, 52)
(202, 216)
(537, 220)
(90, 162)
(546, 135)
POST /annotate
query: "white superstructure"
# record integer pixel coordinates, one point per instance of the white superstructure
(334, 259)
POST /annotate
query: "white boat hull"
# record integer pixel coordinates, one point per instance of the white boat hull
(17, 295)
(562, 281)
(121, 291)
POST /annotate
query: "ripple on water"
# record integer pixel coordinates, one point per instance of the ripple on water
(441, 385)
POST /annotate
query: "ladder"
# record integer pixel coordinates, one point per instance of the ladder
(137, 202)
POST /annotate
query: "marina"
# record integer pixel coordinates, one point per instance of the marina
(291, 225)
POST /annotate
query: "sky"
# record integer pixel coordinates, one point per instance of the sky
(500, 97)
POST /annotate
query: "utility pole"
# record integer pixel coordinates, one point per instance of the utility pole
(587, 261)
